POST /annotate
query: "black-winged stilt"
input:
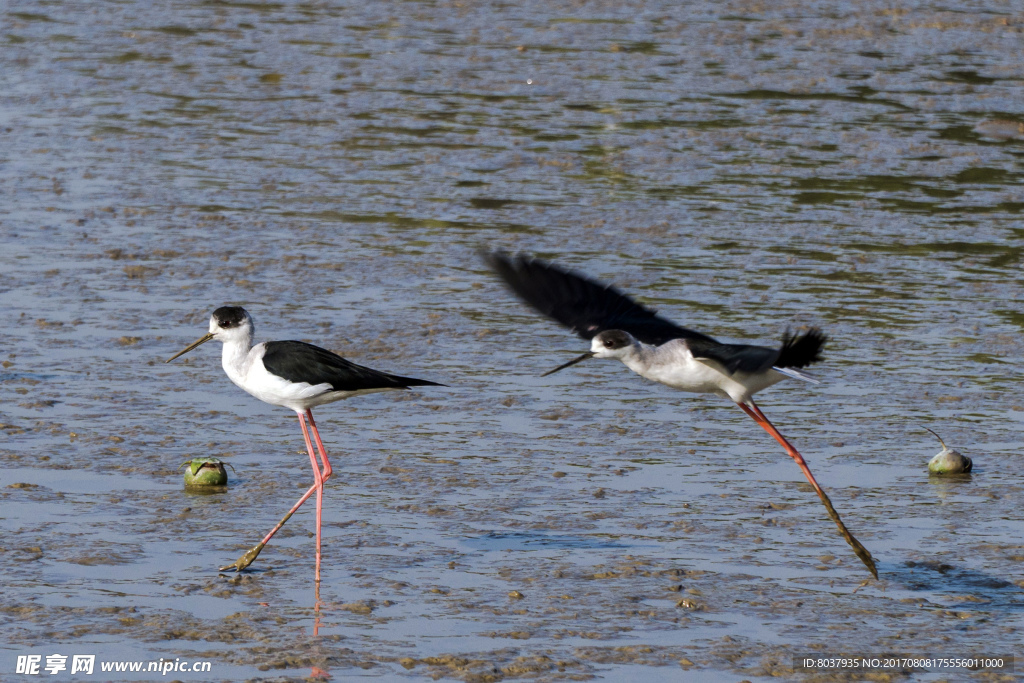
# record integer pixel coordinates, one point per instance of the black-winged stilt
(660, 350)
(294, 375)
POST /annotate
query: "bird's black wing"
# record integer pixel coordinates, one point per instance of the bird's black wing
(298, 361)
(734, 357)
(585, 306)
(797, 351)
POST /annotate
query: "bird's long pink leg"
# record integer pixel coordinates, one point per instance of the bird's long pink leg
(325, 474)
(250, 555)
(751, 409)
(319, 479)
(327, 471)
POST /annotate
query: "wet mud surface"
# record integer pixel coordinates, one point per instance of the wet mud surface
(336, 169)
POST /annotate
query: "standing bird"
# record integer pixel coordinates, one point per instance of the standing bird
(294, 375)
(660, 350)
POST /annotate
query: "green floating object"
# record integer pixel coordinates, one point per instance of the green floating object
(949, 461)
(203, 472)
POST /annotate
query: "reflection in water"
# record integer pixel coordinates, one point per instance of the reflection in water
(951, 487)
(317, 672)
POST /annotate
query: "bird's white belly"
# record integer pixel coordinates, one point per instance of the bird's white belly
(277, 391)
(690, 376)
(707, 377)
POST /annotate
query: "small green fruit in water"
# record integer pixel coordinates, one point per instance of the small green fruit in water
(205, 472)
(948, 461)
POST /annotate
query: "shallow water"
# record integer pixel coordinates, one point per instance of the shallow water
(336, 169)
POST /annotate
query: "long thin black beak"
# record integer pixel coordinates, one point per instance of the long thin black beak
(574, 361)
(202, 340)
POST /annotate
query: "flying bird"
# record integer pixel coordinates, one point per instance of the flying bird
(659, 350)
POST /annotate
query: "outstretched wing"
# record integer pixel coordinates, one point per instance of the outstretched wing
(298, 361)
(585, 306)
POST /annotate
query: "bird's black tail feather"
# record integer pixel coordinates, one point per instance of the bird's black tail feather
(799, 351)
(413, 382)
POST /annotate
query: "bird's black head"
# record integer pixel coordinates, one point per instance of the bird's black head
(228, 317)
(228, 324)
(612, 340)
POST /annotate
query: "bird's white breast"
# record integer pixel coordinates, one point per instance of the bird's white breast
(249, 374)
(672, 364)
